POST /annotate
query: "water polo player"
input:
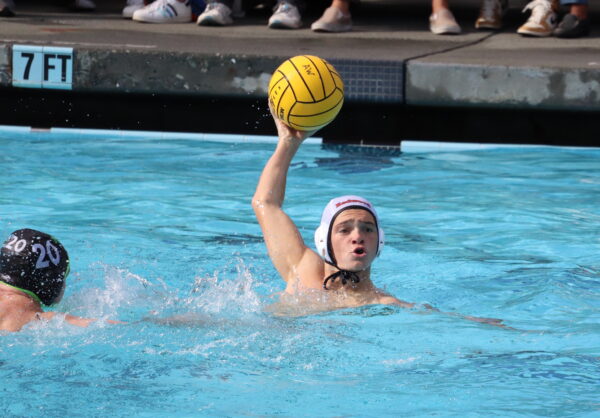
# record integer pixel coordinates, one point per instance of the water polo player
(348, 239)
(33, 271)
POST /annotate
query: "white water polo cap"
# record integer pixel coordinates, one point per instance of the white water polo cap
(331, 211)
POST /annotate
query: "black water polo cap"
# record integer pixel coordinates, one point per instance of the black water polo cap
(35, 263)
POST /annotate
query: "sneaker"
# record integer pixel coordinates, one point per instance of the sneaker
(333, 20)
(285, 16)
(215, 14)
(443, 23)
(7, 8)
(164, 11)
(542, 20)
(131, 6)
(491, 14)
(572, 27)
(83, 5)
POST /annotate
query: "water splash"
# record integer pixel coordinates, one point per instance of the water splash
(122, 295)
(211, 294)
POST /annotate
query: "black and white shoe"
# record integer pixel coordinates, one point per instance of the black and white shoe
(572, 27)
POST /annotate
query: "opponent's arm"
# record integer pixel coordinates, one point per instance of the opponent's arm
(76, 320)
(284, 242)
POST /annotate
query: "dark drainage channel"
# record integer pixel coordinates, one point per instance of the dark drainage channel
(358, 123)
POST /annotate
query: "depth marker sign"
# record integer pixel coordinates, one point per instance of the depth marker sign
(44, 67)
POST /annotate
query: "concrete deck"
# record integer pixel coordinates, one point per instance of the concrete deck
(390, 56)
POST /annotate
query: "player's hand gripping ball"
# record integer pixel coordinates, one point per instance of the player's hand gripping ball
(306, 92)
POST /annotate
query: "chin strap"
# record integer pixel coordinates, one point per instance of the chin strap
(344, 274)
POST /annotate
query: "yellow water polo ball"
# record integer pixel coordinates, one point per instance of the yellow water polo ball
(306, 92)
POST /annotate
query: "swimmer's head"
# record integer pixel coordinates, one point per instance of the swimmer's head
(330, 213)
(35, 263)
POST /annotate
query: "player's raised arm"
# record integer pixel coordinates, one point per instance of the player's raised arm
(284, 242)
(305, 94)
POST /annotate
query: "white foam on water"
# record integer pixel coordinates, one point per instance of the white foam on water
(401, 361)
(211, 294)
(121, 290)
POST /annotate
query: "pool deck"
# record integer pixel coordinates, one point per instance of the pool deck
(389, 58)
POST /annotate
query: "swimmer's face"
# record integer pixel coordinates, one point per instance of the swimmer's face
(354, 239)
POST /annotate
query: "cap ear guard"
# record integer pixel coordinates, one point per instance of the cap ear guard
(321, 242)
(381, 241)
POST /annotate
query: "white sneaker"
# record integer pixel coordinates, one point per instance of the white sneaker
(333, 20)
(285, 16)
(164, 11)
(131, 6)
(542, 20)
(215, 14)
(443, 23)
(83, 5)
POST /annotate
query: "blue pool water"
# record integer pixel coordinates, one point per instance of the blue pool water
(161, 235)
